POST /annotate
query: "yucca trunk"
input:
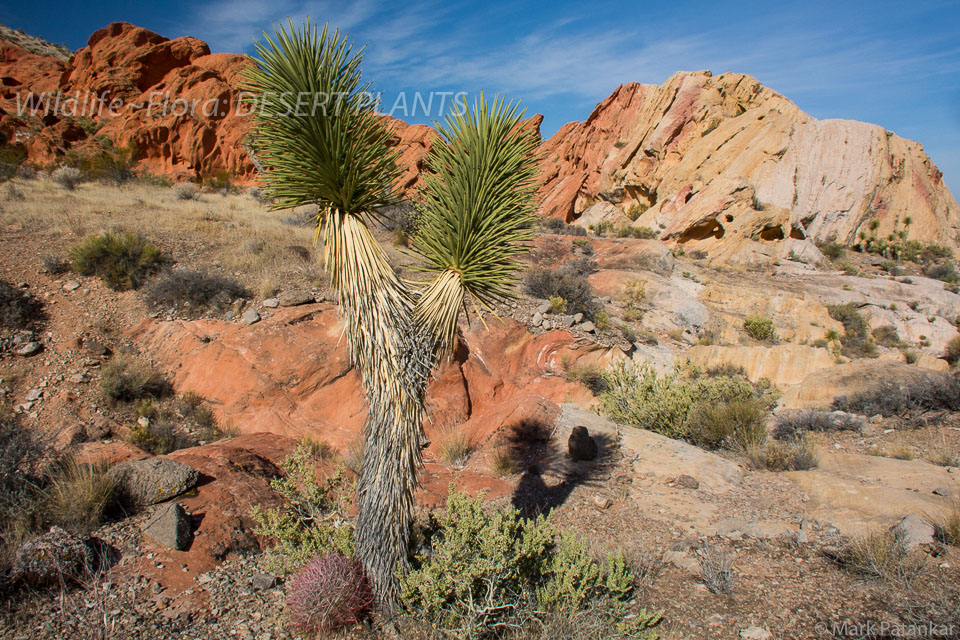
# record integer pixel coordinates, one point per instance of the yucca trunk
(394, 362)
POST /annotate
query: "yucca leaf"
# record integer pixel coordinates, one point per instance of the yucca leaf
(476, 210)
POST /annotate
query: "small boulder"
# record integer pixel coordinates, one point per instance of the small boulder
(170, 527)
(152, 480)
(271, 303)
(250, 316)
(755, 633)
(581, 444)
(544, 308)
(588, 327)
(29, 349)
(914, 531)
(261, 581)
(44, 560)
(687, 482)
(295, 298)
(95, 348)
(537, 319)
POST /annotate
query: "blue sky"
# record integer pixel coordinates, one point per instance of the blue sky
(896, 64)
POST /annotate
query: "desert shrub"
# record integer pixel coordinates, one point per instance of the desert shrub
(558, 226)
(590, 376)
(221, 181)
(760, 328)
(103, 161)
(934, 252)
(582, 266)
(887, 336)
(125, 379)
(488, 569)
(562, 283)
(186, 191)
(54, 264)
(932, 392)
(328, 594)
(946, 272)
(20, 311)
(639, 397)
(791, 424)
(186, 421)
(856, 338)
(737, 425)
(636, 210)
(584, 245)
(454, 445)
(798, 454)
(558, 304)
(23, 455)
(952, 353)
(78, 496)
(12, 157)
(502, 463)
(882, 555)
(312, 522)
(947, 525)
(832, 250)
(716, 569)
(159, 437)
(196, 290)
(66, 177)
(122, 260)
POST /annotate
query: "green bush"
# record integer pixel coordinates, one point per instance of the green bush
(564, 283)
(104, 162)
(737, 425)
(122, 260)
(856, 339)
(759, 328)
(639, 397)
(832, 250)
(952, 354)
(488, 569)
(312, 521)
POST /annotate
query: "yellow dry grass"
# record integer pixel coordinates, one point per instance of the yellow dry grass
(233, 232)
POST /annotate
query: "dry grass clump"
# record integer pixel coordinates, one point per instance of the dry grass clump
(589, 375)
(791, 424)
(503, 463)
(716, 569)
(882, 555)
(121, 260)
(78, 496)
(799, 454)
(904, 398)
(353, 456)
(186, 191)
(168, 425)
(66, 177)
(454, 445)
(125, 379)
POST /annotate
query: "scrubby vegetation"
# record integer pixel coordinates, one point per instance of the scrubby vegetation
(19, 310)
(564, 283)
(489, 572)
(905, 398)
(186, 191)
(194, 291)
(882, 555)
(674, 403)
(793, 424)
(167, 425)
(760, 328)
(856, 337)
(122, 260)
(796, 454)
(125, 379)
(590, 376)
(558, 226)
(66, 177)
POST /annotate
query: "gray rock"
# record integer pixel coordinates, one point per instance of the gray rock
(72, 285)
(755, 633)
(95, 348)
(581, 444)
(170, 527)
(44, 560)
(588, 327)
(544, 307)
(250, 316)
(566, 322)
(152, 480)
(78, 378)
(295, 298)
(537, 319)
(577, 318)
(687, 482)
(914, 531)
(34, 394)
(263, 581)
(271, 303)
(29, 349)
(606, 300)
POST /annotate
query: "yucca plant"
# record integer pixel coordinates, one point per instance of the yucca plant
(476, 208)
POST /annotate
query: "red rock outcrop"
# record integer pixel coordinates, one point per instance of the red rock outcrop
(707, 158)
(173, 100)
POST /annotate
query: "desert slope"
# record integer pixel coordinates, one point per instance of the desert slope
(723, 157)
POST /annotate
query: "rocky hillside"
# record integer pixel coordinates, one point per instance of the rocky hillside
(706, 158)
(721, 165)
(174, 101)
